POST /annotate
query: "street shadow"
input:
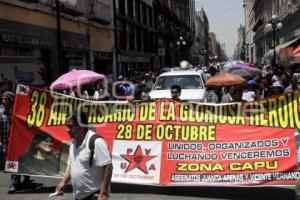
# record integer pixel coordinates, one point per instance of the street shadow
(33, 188)
(238, 193)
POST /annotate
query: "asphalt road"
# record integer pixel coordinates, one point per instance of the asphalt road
(40, 189)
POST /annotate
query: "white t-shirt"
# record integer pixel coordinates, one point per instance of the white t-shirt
(248, 96)
(87, 179)
(96, 96)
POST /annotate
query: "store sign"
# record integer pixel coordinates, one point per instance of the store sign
(103, 55)
(75, 45)
(136, 59)
(12, 38)
(74, 59)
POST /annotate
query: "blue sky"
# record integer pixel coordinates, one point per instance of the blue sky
(225, 16)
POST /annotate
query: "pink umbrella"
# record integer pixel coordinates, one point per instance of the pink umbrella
(75, 77)
(251, 70)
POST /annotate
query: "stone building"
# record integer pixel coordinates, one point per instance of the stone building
(200, 51)
(28, 38)
(240, 53)
(175, 22)
(136, 35)
(258, 14)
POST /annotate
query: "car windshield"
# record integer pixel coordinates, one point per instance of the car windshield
(184, 81)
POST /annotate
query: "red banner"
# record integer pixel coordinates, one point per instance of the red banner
(164, 142)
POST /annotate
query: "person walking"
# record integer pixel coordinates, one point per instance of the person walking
(5, 120)
(89, 180)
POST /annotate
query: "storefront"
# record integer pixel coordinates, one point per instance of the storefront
(137, 63)
(23, 59)
(75, 54)
(103, 62)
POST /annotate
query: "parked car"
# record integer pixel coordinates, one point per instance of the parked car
(191, 83)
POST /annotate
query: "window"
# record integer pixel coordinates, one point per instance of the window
(145, 47)
(146, 41)
(138, 10)
(138, 39)
(121, 4)
(121, 34)
(151, 42)
(131, 36)
(26, 52)
(150, 17)
(130, 8)
(144, 13)
(184, 81)
(10, 51)
(155, 18)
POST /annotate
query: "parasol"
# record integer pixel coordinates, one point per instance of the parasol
(75, 77)
(223, 79)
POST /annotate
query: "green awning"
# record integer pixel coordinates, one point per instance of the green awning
(270, 53)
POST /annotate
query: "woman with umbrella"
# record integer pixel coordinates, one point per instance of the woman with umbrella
(78, 81)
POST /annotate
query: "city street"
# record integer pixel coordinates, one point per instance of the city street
(158, 99)
(45, 186)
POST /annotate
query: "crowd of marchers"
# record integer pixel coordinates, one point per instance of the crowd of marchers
(273, 80)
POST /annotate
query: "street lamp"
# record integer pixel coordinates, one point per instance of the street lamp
(58, 27)
(180, 43)
(205, 53)
(275, 25)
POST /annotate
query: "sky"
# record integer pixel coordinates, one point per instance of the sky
(225, 17)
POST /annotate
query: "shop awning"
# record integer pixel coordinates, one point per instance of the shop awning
(281, 46)
(296, 58)
(297, 51)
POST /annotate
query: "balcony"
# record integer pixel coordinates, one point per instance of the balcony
(100, 13)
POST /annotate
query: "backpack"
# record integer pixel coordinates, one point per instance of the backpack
(92, 147)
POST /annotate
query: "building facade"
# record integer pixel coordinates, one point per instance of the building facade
(258, 14)
(200, 51)
(214, 46)
(249, 45)
(136, 36)
(175, 22)
(29, 45)
(240, 50)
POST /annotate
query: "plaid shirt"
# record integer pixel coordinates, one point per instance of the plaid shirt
(4, 129)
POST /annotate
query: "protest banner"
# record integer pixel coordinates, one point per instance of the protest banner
(166, 142)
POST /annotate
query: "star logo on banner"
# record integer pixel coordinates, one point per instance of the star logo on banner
(138, 160)
(22, 90)
(11, 165)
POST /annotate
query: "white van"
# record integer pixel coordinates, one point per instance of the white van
(191, 83)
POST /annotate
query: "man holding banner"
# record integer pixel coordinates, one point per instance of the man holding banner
(90, 180)
(5, 121)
